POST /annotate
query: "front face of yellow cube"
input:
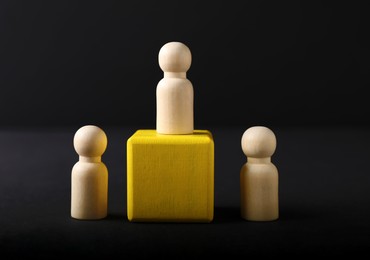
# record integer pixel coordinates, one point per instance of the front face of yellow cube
(170, 177)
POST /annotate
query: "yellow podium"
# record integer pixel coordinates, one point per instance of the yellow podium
(170, 178)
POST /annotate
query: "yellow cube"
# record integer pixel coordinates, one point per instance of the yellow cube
(170, 178)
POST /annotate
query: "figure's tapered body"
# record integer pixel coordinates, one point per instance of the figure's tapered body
(89, 190)
(175, 106)
(259, 191)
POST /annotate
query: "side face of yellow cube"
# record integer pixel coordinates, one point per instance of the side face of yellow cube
(170, 177)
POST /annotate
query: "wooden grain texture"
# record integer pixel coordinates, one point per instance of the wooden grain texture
(170, 177)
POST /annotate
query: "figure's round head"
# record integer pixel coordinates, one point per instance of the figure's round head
(90, 141)
(174, 57)
(258, 142)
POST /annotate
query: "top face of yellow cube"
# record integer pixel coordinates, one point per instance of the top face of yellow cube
(198, 136)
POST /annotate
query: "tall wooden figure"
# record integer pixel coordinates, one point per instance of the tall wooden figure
(175, 92)
(259, 177)
(89, 182)
(170, 170)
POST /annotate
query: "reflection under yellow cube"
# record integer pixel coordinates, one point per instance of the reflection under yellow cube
(170, 177)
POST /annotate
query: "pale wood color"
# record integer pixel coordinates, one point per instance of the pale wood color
(89, 180)
(175, 94)
(259, 177)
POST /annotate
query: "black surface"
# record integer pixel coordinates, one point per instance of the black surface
(324, 199)
(77, 62)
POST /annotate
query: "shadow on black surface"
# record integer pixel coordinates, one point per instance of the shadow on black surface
(116, 217)
(221, 215)
(232, 214)
(296, 214)
(226, 215)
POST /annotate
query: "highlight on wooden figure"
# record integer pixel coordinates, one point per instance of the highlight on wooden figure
(259, 176)
(175, 95)
(89, 180)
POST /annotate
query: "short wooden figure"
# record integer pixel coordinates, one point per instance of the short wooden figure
(89, 182)
(259, 176)
(170, 170)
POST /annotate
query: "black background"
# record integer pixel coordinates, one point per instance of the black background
(254, 62)
(298, 67)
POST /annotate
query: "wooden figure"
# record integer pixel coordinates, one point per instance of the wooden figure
(259, 177)
(175, 92)
(89, 180)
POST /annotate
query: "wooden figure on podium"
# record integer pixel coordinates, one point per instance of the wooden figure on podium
(175, 95)
(259, 177)
(170, 170)
(89, 182)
